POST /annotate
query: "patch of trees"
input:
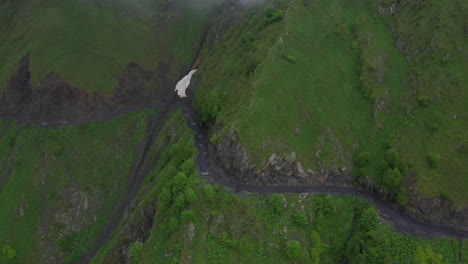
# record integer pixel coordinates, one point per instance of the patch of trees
(273, 15)
(394, 170)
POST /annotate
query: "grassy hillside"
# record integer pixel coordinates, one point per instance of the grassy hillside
(89, 43)
(194, 222)
(57, 186)
(336, 82)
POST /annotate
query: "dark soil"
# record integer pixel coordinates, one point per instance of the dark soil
(53, 101)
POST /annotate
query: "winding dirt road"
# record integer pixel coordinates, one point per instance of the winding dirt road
(216, 175)
(142, 165)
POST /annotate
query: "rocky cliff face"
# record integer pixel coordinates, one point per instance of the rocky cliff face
(277, 169)
(52, 100)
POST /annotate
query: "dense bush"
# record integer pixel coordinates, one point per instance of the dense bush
(135, 252)
(300, 218)
(424, 101)
(427, 256)
(8, 252)
(316, 247)
(190, 195)
(325, 205)
(273, 15)
(362, 159)
(164, 199)
(276, 203)
(178, 183)
(209, 193)
(174, 224)
(369, 220)
(291, 59)
(292, 250)
(187, 216)
(433, 160)
(392, 180)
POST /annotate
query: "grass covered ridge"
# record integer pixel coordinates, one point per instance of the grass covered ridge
(57, 186)
(89, 43)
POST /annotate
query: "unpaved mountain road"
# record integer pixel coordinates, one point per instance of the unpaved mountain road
(216, 175)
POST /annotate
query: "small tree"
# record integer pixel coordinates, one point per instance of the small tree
(292, 250)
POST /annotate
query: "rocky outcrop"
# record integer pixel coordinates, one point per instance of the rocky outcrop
(231, 155)
(54, 101)
(435, 210)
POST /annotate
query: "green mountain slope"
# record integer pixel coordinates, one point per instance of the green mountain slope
(361, 93)
(333, 81)
(181, 219)
(90, 43)
(58, 186)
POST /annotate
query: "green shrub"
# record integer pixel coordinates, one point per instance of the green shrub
(316, 247)
(135, 252)
(57, 150)
(187, 215)
(174, 224)
(424, 101)
(276, 203)
(325, 205)
(180, 201)
(445, 196)
(164, 199)
(208, 192)
(291, 59)
(179, 182)
(273, 15)
(402, 197)
(392, 180)
(434, 126)
(8, 252)
(427, 256)
(369, 220)
(362, 159)
(247, 38)
(433, 160)
(190, 195)
(11, 142)
(300, 218)
(292, 250)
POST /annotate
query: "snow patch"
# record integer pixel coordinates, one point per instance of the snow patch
(183, 84)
